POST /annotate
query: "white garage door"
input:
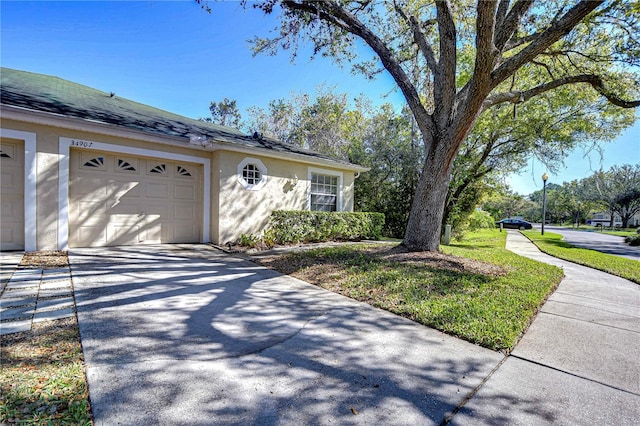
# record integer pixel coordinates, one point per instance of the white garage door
(11, 195)
(119, 200)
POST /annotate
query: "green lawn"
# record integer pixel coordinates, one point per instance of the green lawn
(476, 289)
(42, 379)
(552, 244)
(621, 233)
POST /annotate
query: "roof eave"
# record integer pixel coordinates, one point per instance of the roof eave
(58, 120)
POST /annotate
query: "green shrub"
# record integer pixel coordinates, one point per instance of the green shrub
(248, 240)
(307, 226)
(481, 220)
(633, 240)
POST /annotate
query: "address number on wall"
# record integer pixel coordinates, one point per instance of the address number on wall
(81, 144)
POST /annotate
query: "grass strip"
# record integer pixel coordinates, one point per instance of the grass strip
(475, 290)
(552, 244)
(42, 380)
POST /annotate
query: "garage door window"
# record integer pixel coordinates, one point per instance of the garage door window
(94, 162)
(160, 169)
(7, 151)
(252, 174)
(126, 166)
(182, 171)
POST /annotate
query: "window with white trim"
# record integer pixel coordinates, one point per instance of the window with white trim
(252, 174)
(324, 192)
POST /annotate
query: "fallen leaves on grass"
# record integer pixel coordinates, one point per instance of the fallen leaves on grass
(325, 269)
(42, 380)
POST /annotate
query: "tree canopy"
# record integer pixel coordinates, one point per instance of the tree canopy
(454, 60)
(224, 113)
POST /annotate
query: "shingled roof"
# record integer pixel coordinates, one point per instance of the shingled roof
(51, 94)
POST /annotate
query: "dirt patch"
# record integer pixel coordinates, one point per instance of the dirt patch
(45, 259)
(443, 261)
(323, 269)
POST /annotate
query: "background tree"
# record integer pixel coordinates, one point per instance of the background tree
(224, 113)
(547, 128)
(616, 190)
(391, 149)
(506, 203)
(313, 122)
(375, 137)
(581, 42)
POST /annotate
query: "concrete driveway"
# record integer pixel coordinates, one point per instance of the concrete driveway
(187, 335)
(611, 244)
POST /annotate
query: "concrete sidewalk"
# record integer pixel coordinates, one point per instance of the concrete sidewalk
(29, 295)
(577, 364)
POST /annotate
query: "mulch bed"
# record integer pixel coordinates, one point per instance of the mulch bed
(45, 259)
(318, 268)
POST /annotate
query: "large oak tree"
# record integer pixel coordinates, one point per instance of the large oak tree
(420, 43)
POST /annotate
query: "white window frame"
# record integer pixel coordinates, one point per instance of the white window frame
(263, 174)
(318, 171)
(64, 149)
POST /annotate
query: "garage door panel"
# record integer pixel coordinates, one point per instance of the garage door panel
(152, 232)
(123, 234)
(91, 236)
(91, 187)
(185, 233)
(90, 212)
(185, 192)
(12, 197)
(120, 190)
(10, 210)
(10, 182)
(184, 212)
(147, 201)
(157, 190)
(8, 235)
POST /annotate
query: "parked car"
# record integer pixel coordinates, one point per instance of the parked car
(514, 224)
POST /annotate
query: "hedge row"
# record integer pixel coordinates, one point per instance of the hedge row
(309, 226)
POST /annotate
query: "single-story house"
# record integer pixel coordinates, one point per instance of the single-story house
(82, 168)
(604, 219)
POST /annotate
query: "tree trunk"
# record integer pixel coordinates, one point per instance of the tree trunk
(425, 221)
(612, 217)
(625, 216)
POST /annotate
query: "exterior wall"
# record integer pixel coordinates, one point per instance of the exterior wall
(232, 209)
(244, 211)
(604, 219)
(47, 170)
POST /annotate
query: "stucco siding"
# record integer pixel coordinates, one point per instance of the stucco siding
(232, 209)
(244, 211)
(48, 171)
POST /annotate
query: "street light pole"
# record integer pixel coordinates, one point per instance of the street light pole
(544, 200)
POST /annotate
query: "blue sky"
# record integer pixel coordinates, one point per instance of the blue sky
(174, 56)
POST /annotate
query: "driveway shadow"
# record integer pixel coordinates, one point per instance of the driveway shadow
(188, 335)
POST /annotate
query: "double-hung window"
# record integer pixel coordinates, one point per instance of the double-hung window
(324, 192)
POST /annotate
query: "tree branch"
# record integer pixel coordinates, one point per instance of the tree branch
(595, 81)
(507, 29)
(342, 18)
(517, 42)
(557, 30)
(445, 86)
(419, 38)
(501, 13)
(486, 52)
